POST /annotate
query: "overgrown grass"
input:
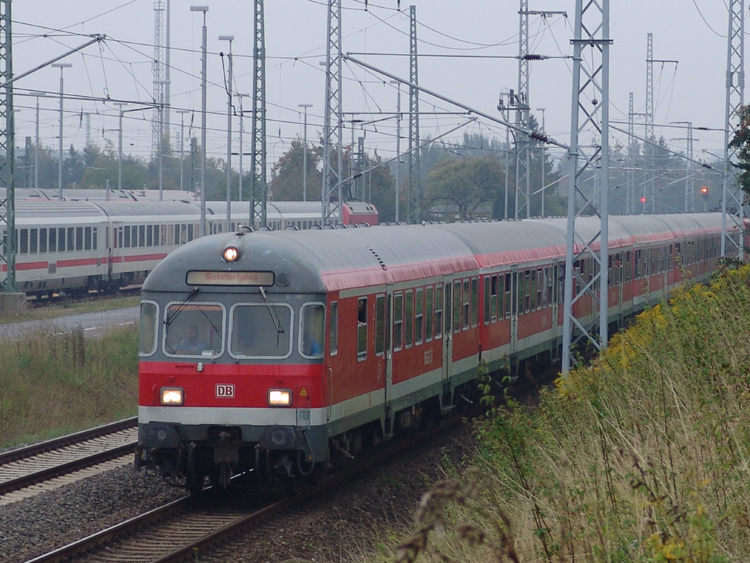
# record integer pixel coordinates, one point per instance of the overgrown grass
(70, 308)
(54, 383)
(643, 456)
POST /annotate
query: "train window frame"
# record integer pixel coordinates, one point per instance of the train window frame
(230, 330)
(408, 318)
(418, 316)
(182, 306)
(79, 239)
(439, 309)
(429, 313)
(362, 332)
(539, 286)
(474, 301)
(43, 241)
(87, 242)
(23, 241)
(507, 298)
(301, 337)
(149, 235)
(457, 302)
(147, 328)
(398, 321)
(333, 330)
(33, 241)
(486, 301)
(141, 235)
(126, 230)
(527, 291)
(380, 324)
(52, 240)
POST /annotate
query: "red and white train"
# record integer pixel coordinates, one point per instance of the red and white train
(89, 242)
(276, 353)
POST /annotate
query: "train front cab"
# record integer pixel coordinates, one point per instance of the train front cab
(245, 393)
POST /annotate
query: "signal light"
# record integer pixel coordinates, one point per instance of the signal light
(643, 200)
(704, 190)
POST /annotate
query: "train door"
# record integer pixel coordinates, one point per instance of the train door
(113, 249)
(514, 311)
(447, 337)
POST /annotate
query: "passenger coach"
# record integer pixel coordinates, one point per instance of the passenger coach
(282, 352)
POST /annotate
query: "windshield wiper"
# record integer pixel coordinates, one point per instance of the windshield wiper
(180, 307)
(272, 312)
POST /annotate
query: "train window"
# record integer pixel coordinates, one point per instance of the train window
(379, 325)
(52, 240)
(362, 328)
(23, 243)
(87, 238)
(61, 244)
(507, 300)
(126, 230)
(194, 329)
(408, 318)
(539, 286)
(527, 291)
(550, 274)
(494, 298)
(398, 321)
(474, 301)
(94, 240)
(42, 241)
(176, 234)
(141, 235)
(149, 235)
(419, 316)
(456, 305)
(333, 330)
(33, 241)
(257, 334)
(79, 238)
(532, 291)
(312, 322)
(439, 310)
(156, 229)
(189, 232)
(149, 318)
(486, 301)
(429, 313)
(466, 304)
(71, 240)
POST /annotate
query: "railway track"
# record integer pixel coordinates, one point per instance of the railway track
(185, 528)
(39, 465)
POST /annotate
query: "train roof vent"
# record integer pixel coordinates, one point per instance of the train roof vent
(265, 228)
(292, 228)
(363, 225)
(378, 258)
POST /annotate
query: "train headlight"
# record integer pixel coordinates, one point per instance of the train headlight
(231, 254)
(279, 397)
(172, 396)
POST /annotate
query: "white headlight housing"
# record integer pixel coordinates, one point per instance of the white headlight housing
(279, 397)
(172, 396)
(231, 254)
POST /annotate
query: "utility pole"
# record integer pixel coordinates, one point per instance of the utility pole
(157, 127)
(630, 174)
(204, 49)
(182, 113)
(62, 67)
(242, 145)
(590, 111)
(398, 144)
(544, 157)
(735, 99)
(689, 195)
(258, 186)
(304, 153)
(36, 141)
(229, 38)
(119, 146)
(332, 177)
(7, 145)
(413, 201)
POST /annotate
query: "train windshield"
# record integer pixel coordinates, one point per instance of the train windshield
(195, 329)
(261, 330)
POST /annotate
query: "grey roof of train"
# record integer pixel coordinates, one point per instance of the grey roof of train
(378, 253)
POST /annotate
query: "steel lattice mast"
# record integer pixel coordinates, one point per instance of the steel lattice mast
(734, 100)
(7, 144)
(414, 196)
(523, 161)
(630, 173)
(649, 189)
(689, 206)
(258, 186)
(157, 69)
(590, 111)
(332, 177)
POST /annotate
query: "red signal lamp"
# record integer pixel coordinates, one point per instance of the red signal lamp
(704, 190)
(643, 200)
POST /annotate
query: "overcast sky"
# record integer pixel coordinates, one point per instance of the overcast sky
(693, 32)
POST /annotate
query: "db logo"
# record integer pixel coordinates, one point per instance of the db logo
(224, 391)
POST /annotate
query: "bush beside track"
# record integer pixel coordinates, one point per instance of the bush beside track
(641, 456)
